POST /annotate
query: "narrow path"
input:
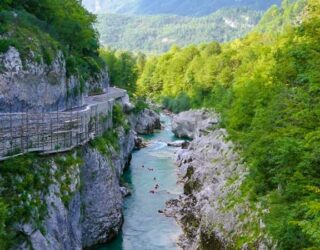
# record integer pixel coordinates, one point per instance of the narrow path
(60, 131)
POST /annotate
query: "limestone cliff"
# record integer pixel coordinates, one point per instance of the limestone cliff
(84, 196)
(214, 211)
(85, 203)
(35, 86)
(101, 194)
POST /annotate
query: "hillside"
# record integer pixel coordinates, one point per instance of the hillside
(175, 7)
(155, 34)
(278, 18)
(266, 88)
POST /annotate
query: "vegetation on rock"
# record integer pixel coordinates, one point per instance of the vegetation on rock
(38, 29)
(24, 182)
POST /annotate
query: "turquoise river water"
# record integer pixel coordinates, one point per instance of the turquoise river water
(144, 227)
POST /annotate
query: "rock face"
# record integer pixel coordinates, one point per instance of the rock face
(190, 124)
(62, 225)
(213, 211)
(94, 213)
(145, 122)
(35, 86)
(101, 193)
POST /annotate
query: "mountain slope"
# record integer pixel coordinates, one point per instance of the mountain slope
(277, 18)
(154, 34)
(176, 7)
(266, 87)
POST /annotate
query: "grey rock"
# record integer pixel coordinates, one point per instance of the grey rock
(192, 123)
(145, 122)
(139, 143)
(101, 193)
(178, 144)
(125, 191)
(62, 224)
(212, 173)
(35, 86)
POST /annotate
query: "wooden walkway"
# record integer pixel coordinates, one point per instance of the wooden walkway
(55, 132)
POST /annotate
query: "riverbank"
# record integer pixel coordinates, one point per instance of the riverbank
(214, 212)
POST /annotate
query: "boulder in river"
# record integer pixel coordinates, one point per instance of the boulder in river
(178, 144)
(192, 123)
(145, 122)
(125, 191)
(139, 144)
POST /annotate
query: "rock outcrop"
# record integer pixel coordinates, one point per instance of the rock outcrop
(101, 194)
(190, 124)
(61, 227)
(36, 86)
(214, 212)
(146, 121)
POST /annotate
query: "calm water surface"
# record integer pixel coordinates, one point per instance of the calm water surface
(144, 228)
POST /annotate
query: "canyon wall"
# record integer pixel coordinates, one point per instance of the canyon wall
(215, 211)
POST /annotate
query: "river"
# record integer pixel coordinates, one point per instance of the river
(144, 227)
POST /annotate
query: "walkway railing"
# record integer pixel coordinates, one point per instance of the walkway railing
(55, 132)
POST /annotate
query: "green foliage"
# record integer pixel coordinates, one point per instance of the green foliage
(277, 19)
(155, 34)
(139, 105)
(123, 68)
(119, 119)
(266, 88)
(65, 166)
(47, 26)
(109, 140)
(106, 143)
(24, 180)
(181, 103)
(175, 7)
(3, 220)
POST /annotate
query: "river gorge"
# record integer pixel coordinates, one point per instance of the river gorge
(145, 226)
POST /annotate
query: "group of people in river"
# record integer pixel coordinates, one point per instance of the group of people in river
(153, 191)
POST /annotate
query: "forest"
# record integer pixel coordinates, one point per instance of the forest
(172, 7)
(266, 86)
(156, 34)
